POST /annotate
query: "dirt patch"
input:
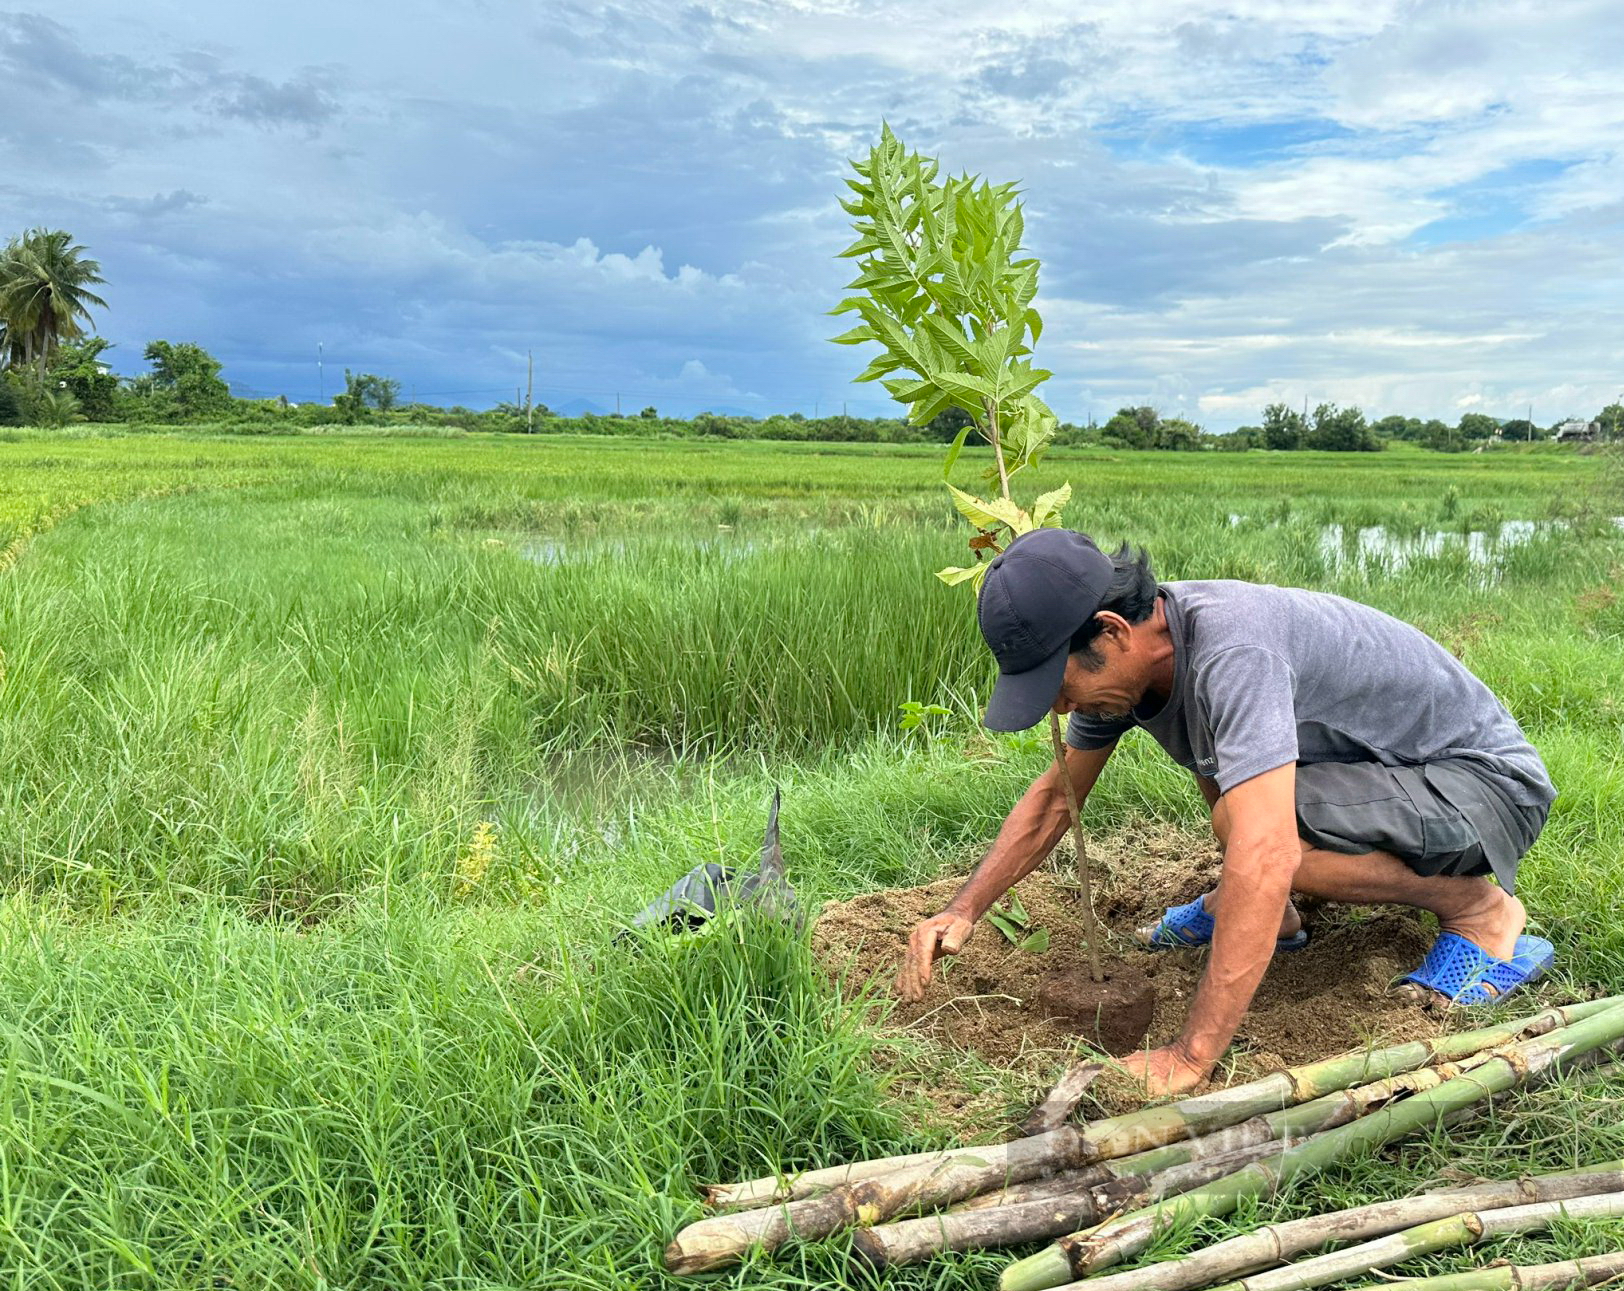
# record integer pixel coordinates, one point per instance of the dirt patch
(1008, 1006)
(1113, 1014)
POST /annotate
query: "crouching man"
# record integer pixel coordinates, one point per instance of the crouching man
(1344, 755)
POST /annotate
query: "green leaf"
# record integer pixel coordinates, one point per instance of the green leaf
(956, 448)
(1018, 911)
(855, 336)
(1035, 942)
(963, 383)
(1046, 510)
(1012, 931)
(954, 576)
(988, 515)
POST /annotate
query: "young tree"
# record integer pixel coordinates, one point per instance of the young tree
(1477, 426)
(947, 295)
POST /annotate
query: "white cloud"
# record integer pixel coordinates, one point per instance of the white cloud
(1226, 197)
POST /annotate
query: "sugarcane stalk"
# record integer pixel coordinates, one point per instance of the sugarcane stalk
(1061, 1101)
(1465, 1229)
(1075, 1256)
(1281, 1242)
(1152, 1127)
(1587, 1271)
(1091, 929)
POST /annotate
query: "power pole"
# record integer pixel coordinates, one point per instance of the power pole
(529, 393)
(321, 379)
(1529, 438)
(617, 403)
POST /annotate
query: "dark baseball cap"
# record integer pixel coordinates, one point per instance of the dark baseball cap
(1036, 594)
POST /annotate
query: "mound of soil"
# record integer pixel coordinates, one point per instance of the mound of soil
(1014, 1008)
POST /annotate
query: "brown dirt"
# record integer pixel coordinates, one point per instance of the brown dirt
(1112, 1014)
(1001, 1003)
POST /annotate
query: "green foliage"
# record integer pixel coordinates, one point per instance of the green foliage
(1283, 427)
(45, 295)
(184, 384)
(78, 368)
(54, 407)
(263, 1031)
(1477, 426)
(948, 298)
(11, 402)
(1341, 430)
(365, 393)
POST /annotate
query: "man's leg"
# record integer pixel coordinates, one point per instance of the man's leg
(1482, 912)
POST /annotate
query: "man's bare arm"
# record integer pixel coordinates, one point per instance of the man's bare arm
(1259, 863)
(1028, 834)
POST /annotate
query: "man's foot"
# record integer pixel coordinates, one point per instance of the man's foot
(1492, 921)
(1192, 924)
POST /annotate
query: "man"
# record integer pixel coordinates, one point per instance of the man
(1343, 754)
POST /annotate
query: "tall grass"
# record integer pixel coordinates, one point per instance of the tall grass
(310, 744)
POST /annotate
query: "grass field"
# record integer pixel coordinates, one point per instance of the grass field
(311, 742)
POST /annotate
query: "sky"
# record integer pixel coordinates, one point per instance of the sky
(1417, 208)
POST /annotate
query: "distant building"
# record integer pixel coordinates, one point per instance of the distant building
(1576, 430)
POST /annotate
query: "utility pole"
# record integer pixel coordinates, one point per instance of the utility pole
(321, 379)
(1529, 438)
(617, 403)
(530, 392)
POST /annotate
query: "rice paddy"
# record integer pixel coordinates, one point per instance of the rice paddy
(332, 765)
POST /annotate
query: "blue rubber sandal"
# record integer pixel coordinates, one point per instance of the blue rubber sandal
(1465, 973)
(1190, 925)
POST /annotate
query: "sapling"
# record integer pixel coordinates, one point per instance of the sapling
(946, 293)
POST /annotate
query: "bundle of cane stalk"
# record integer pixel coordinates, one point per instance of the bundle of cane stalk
(1113, 1184)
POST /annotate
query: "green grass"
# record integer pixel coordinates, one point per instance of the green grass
(310, 743)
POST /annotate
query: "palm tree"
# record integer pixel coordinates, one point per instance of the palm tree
(45, 291)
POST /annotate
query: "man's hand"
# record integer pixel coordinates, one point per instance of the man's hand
(946, 931)
(1166, 1072)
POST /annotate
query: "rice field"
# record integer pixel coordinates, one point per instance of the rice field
(334, 763)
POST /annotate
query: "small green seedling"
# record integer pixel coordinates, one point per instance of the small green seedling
(1016, 925)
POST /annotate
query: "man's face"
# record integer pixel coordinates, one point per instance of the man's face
(1110, 692)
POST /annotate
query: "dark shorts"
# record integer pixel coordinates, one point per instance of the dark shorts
(1442, 818)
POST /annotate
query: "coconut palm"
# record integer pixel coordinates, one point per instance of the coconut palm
(45, 283)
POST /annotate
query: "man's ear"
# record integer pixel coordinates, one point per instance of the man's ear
(1115, 629)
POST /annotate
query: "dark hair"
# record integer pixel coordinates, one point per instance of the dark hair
(1132, 594)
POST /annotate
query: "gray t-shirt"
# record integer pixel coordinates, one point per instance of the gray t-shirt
(1263, 676)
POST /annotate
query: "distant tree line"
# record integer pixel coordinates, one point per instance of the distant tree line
(52, 372)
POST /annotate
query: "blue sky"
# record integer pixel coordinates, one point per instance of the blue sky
(1416, 208)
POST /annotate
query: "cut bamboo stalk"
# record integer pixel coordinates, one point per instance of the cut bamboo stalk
(1587, 1271)
(1091, 929)
(1130, 1183)
(1278, 1243)
(1168, 1123)
(909, 1241)
(976, 1227)
(1064, 1184)
(1056, 1108)
(1082, 1253)
(1465, 1229)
